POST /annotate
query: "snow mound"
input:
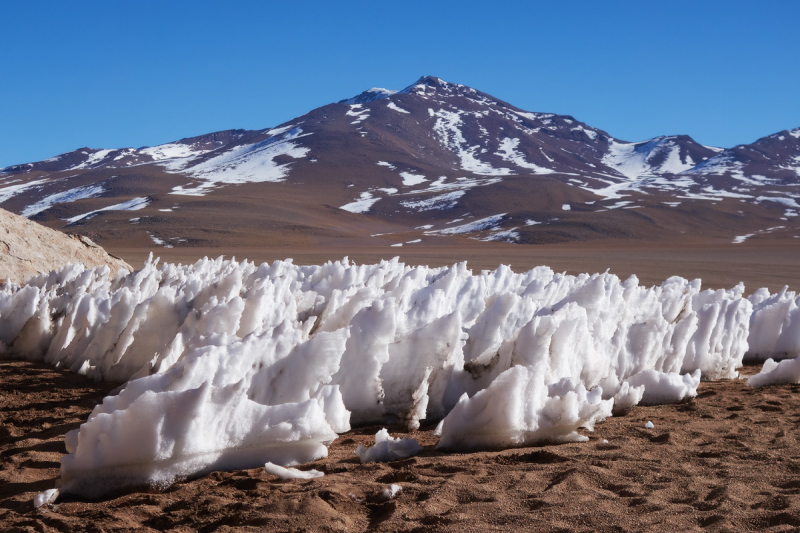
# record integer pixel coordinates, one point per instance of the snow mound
(774, 373)
(231, 365)
(388, 448)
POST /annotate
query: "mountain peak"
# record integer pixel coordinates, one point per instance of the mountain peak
(430, 82)
(419, 86)
(376, 93)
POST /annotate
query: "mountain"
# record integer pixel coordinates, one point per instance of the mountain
(435, 160)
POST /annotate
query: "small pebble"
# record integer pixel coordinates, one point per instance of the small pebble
(649, 425)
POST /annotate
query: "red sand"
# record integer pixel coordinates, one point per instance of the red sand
(728, 460)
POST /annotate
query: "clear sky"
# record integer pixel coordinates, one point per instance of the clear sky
(119, 74)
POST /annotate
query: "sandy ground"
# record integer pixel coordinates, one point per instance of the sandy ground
(728, 460)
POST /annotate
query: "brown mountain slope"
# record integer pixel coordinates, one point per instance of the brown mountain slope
(436, 163)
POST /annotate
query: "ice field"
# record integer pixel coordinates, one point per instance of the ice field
(229, 364)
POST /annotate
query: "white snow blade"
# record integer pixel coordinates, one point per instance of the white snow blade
(230, 364)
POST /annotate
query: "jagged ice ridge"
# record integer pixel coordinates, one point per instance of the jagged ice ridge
(230, 364)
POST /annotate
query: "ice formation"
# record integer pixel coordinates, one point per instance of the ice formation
(291, 473)
(776, 373)
(661, 387)
(43, 498)
(230, 364)
(519, 407)
(388, 448)
(390, 492)
(774, 325)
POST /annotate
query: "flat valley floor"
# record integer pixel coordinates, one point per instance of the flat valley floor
(757, 263)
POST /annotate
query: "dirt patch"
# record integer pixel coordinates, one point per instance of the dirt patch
(719, 462)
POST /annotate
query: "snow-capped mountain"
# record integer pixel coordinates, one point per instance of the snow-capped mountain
(435, 160)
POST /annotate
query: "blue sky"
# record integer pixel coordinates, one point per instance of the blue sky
(119, 74)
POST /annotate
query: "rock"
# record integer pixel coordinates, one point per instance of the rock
(28, 248)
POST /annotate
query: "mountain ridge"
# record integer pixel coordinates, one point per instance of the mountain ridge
(432, 154)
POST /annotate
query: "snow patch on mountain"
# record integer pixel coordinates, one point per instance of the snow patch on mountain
(788, 202)
(172, 151)
(722, 164)
(626, 159)
(508, 235)
(362, 205)
(131, 205)
(442, 201)
(94, 159)
(356, 111)
(387, 165)
(410, 179)
(277, 131)
(634, 160)
(392, 105)
(532, 116)
(482, 224)
(10, 191)
(71, 195)
(158, 241)
(741, 238)
(250, 163)
(461, 183)
(588, 132)
(713, 148)
(447, 127)
(508, 151)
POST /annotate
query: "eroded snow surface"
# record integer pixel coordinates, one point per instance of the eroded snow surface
(233, 365)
